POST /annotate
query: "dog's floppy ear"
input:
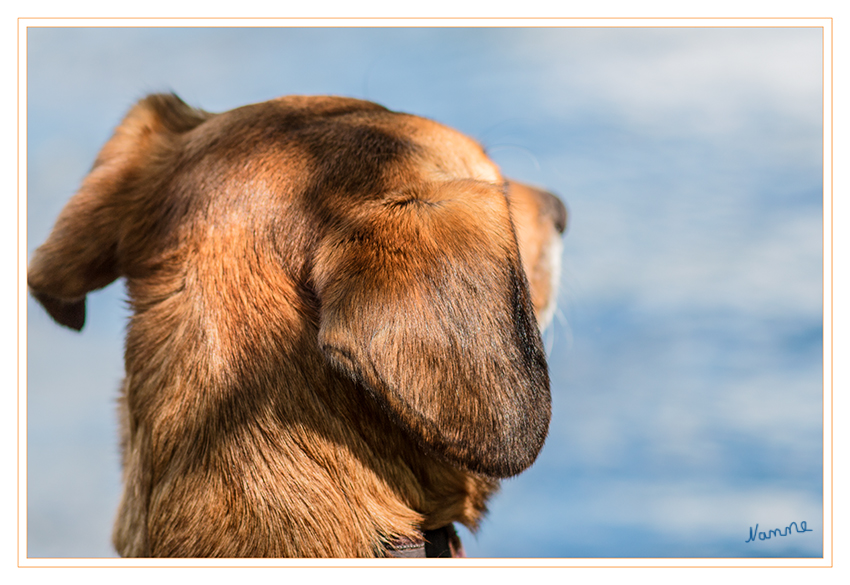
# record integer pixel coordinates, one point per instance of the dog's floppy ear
(424, 303)
(80, 255)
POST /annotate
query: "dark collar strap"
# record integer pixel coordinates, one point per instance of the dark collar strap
(440, 543)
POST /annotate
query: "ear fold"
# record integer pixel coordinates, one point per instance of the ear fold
(80, 255)
(425, 304)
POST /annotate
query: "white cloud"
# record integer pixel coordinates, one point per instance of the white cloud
(671, 257)
(711, 81)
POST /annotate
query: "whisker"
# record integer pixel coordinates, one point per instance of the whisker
(529, 152)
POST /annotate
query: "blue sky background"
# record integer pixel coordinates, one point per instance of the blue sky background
(686, 358)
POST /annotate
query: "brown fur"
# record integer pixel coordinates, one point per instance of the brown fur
(333, 341)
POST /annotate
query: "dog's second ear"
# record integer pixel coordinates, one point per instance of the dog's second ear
(81, 253)
(424, 303)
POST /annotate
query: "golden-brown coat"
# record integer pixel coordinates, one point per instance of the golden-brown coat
(333, 343)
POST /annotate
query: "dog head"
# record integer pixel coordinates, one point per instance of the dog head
(386, 243)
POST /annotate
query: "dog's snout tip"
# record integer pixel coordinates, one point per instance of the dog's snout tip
(560, 215)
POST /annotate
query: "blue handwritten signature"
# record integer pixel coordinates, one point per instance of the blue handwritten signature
(755, 534)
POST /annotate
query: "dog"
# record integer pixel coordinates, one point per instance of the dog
(334, 348)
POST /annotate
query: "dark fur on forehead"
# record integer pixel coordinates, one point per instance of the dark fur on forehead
(351, 157)
(332, 345)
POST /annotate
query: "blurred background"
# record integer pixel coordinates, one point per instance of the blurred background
(686, 357)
